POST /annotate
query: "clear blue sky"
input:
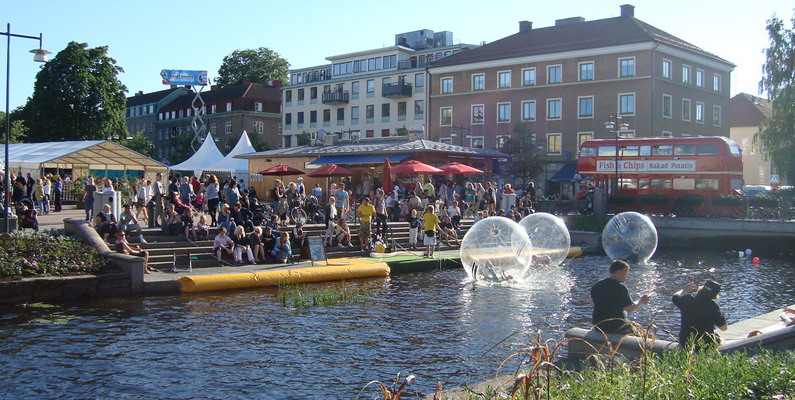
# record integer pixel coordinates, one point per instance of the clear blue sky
(146, 36)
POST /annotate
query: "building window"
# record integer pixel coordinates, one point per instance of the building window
(369, 113)
(369, 133)
(685, 110)
(419, 82)
(447, 85)
(716, 111)
(700, 78)
(300, 119)
(212, 109)
(666, 70)
(259, 127)
(477, 142)
(385, 132)
(554, 108)
(666, 134)
(686, 74)
(258, 106)
(586, 71)
(554, 143)
(699, 112)
(355, 89)
(529, 110)
(313, 117)
(228, 127)
(667, 106)
(385, 112)
(626, 103)
(300, 95)
(340, 116)
(419, 109)
(626, 67)
(528, 77)
(504, 79)
(288, 96)
(446, 116)
(355, 115)
(313, 93)
(370, 87)
(214, 126)
(716, 82)
(446, 140)
(401, 110)
(477, 114)
(326, 117)
(503, 112)
(582, 137)
(478, 82)
(555, 74)
(585, 107)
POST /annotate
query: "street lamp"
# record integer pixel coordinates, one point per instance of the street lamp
(453, 133)
(615, 124)
(39, 55)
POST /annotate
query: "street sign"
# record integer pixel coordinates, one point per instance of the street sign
(184, 77)
(774, 179)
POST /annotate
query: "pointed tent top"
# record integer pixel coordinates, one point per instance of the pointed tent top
(243, 146)
(208, 154)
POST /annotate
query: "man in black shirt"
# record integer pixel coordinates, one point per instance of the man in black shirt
(611, 302)
(700, 315)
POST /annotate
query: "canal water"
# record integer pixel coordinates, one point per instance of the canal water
(435, 325)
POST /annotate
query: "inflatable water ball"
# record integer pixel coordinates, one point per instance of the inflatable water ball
(496, 249)
(549, 236)
(629, 236)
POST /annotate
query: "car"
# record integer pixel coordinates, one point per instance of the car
(755, 190)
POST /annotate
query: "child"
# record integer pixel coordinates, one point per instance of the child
(282, 251)
(328, 238)
(199, 201)
(414, 226)
(203, 231)
(430, 223)
(404, 209)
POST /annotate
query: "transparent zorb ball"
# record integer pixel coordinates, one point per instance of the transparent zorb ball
(550, 238)
(496, 249)
(630, 236)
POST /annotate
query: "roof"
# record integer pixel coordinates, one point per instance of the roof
(250, 90)
(230, 163)
(749, 110)
(208, 154)
(380, 147)
(573, 36)
(149, 98)
(87, 154)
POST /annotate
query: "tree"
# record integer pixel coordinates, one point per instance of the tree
(18, 129)
(139, 143)
(183, 150)
(527, 160)
(260, 65)
(77, 96)
(777, 134)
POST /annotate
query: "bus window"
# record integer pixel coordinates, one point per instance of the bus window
(735, 149)
(707, 184)
(661, 183)
(737, 184)
(685, 150)
(607, 151)
(684, 184)
(645, 151)
(628, 183)
(708, 150)
(588, 152)
(643, 183)
(662, 150)
(629, 151)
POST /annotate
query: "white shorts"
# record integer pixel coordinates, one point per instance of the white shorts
(428, 240)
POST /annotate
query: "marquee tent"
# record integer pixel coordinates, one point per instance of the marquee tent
(235, 166)
(208, 154)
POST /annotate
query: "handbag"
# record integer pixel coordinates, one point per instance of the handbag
(430, 233)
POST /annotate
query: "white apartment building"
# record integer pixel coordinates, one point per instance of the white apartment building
(366, 95)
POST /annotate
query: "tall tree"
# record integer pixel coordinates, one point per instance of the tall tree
(18, 129)
(77, 96)
(260, 65)
(777, 134)
(139, 143)
(527, 159)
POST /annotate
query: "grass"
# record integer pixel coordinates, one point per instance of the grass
(300, 296)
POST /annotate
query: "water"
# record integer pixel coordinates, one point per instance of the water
(244, 344)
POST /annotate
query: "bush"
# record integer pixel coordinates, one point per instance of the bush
(689, 200)
(727, 201)
(763, 200)
(30, 254)
(588, 223)
(621, 199)
(654, 199)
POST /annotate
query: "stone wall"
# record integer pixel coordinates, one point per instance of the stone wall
(63, 289)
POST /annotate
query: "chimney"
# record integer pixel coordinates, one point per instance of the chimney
(246, 81)
(213, 87)
(140, 93)
(277, 84)
(525, 26)
(627, 10)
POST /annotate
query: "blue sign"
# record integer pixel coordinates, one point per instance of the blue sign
(182, 77)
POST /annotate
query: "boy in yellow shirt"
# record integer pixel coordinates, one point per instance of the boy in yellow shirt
(365, 213)
(430, 223)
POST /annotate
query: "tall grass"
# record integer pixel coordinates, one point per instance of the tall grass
(305, 296)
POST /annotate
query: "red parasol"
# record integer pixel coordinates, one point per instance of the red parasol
(387, 177)
(413, 167)
(330, 170)
(458, 168)
(281, 170)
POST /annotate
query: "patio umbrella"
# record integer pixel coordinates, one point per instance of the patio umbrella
(413, 167)
(330, 170)
(281, 170)
(387, 177)
(458, 168)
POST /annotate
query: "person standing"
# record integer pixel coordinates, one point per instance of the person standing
(157, 196)
(57, 189)
(88, 197)
(430, 223)
(700, 315)
(380, 212)
(611, 302)
(211, 196)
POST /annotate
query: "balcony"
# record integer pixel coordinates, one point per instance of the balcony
(337, 97)
(396, 90)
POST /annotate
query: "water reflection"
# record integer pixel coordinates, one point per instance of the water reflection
(244, 344)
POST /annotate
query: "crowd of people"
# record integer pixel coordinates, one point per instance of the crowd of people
(31, 197)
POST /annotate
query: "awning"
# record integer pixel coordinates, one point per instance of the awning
(361, 159)
(565, 174)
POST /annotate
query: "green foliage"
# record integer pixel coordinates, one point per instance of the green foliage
(776, 133)
(763, 200)
(18, 129)
(303, 138)
(298, 296)
(689, 200)
(183, 150)
(259, 145)
(77, 96)
(258, 65)
(527, 161)
(621, 199)
(403, 131)
(29, 254)
(589, 223)
(654, 199)
(138, 143)
(727, 201)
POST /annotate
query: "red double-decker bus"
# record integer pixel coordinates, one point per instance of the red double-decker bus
(707, 166)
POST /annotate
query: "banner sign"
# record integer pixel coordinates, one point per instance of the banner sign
(182, 77)
(646, 166)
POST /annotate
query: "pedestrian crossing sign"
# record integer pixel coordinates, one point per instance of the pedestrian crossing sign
(774, 179)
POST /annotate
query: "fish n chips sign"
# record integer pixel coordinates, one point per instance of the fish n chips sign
(647, 165)
(184, 77)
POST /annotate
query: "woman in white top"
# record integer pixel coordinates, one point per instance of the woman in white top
(47, 192)
(211, 196)
(142, 198)
(454, 213)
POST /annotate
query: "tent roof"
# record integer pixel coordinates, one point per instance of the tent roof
(229, 163)
(88, 154)
(208, 154)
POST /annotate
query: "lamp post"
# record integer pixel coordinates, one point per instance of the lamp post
(462, 128)
(39, 55)
(615, 124)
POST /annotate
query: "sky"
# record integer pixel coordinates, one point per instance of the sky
(146, 36)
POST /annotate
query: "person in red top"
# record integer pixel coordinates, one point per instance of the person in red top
(508, 189)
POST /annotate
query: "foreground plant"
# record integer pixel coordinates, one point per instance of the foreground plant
(30, 254)
(300, 296)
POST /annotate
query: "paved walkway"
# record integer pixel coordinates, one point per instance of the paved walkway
(54, 220)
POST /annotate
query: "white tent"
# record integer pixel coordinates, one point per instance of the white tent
(235, 166)
(208, 154)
